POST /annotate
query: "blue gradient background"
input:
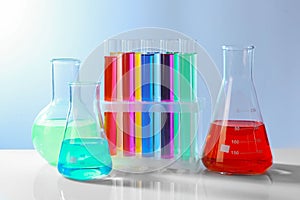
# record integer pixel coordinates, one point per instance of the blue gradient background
(32, 32)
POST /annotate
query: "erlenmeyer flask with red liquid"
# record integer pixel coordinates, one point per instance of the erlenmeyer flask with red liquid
(237, 141)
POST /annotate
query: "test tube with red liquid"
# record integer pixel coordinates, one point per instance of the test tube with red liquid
(110, 80)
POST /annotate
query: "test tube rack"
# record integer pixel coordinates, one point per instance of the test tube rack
(151, 109)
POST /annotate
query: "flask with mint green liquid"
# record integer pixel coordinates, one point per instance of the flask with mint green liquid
(48, 127)
(84, 153)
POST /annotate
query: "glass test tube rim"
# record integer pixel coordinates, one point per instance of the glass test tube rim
(84, 83)
(237, 47)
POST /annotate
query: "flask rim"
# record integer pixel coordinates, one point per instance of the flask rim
(237, 47)
(65, 60)
(84, 83)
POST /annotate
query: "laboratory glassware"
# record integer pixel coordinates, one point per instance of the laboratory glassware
(84, 153)
(48, 126)
(237, 141)
(143, 94)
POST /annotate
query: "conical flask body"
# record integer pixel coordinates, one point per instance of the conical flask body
(84, 153)
(237, 141)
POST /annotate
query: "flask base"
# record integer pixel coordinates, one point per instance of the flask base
(84, 174)
(241, 167)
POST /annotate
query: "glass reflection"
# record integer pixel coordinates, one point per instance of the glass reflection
(281, 182)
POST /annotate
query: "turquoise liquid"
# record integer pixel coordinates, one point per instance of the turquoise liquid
(84, 159)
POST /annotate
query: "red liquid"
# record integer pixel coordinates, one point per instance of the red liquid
(110, 78)
(237, 147)
(110, 131)
(110, 82)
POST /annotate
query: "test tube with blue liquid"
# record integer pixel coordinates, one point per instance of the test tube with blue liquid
(153, 48)
(147, 95)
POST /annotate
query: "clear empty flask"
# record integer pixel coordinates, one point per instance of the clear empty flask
(237, 141)
(48, 127)
(84, 153)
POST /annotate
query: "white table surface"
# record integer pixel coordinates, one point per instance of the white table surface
(25, 175)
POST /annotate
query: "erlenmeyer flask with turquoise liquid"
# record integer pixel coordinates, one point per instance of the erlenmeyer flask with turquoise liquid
(84, 153)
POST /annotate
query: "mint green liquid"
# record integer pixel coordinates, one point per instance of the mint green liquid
(176, 99)
(47, 137)
(84, 159)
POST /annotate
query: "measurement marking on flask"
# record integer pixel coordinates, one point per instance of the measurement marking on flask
(250, 110)
(235, 141)
(245, 141)
(255, 152)
(235, 152)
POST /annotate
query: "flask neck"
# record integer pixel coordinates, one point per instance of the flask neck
(64, 71)
(237, 63)
(85, 101)
(237, 98)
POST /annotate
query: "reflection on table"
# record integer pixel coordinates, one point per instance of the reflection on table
(281, 182)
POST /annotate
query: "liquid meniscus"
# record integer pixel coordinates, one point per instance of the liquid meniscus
(84, 159)
(237, 147)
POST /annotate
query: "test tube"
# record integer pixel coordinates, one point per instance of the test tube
(194, 116)
(157, 98)
(167, 95)
(134, 45)
(115, 47)
(128, 95)
(176, 99)
(147, 95)
(138, 97)
(154, 47)
(110, 81)
(185, 96)
(188, 92)
(173, 46)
